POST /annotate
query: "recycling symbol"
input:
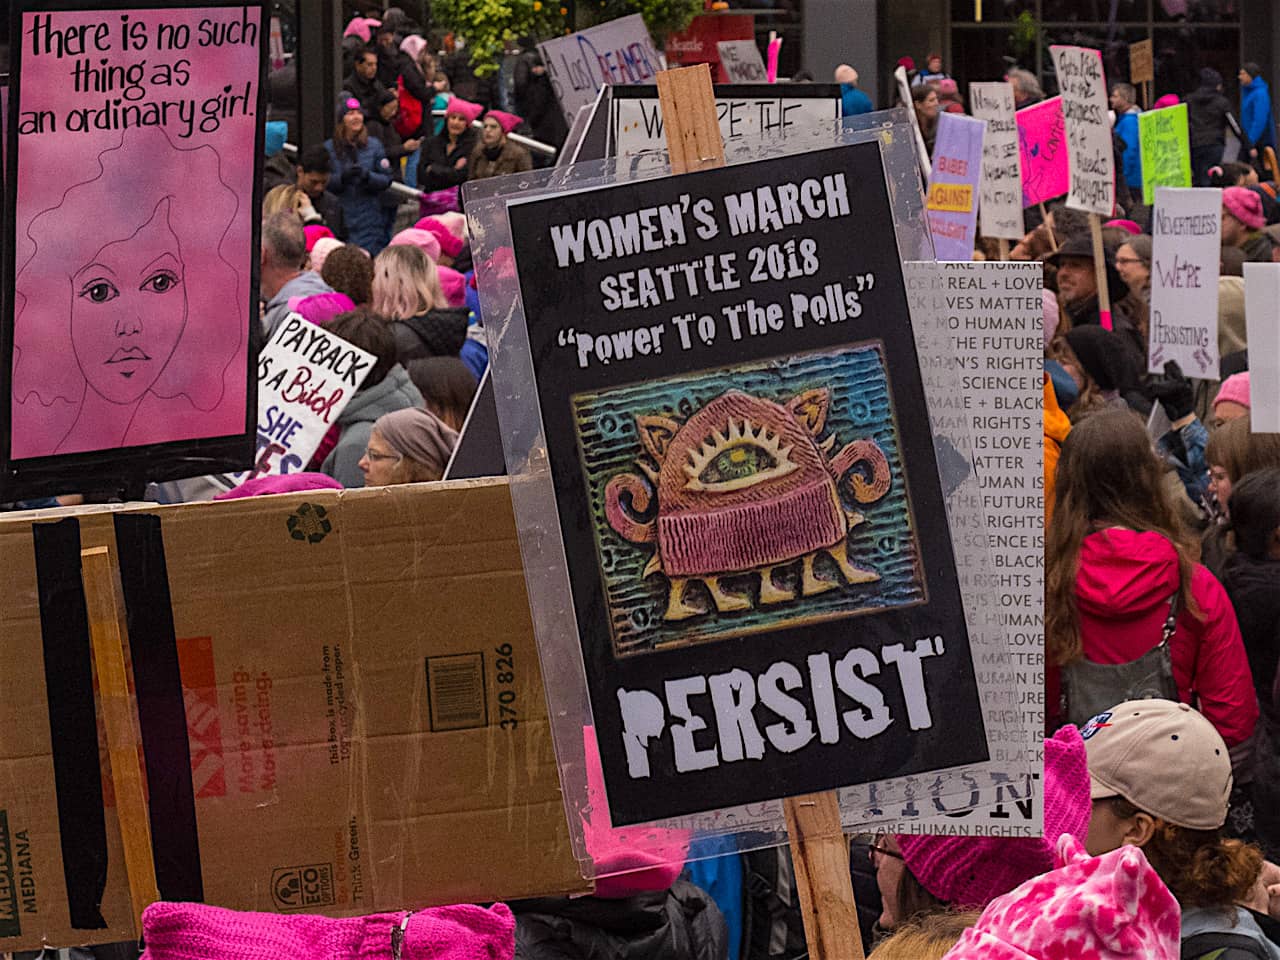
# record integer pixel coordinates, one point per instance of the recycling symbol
(309, 523)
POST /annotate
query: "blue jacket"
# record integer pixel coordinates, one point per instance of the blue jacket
(359, 185)
(853, 101)
(1127, 130)
(1255, 113)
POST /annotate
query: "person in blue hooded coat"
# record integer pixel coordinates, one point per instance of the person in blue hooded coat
(1255, 109)
(361, 174)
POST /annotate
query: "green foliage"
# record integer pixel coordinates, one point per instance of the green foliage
(660, 16)
(489, 25)
(1026, 33)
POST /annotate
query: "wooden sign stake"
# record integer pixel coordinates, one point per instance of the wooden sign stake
(1100, 271)
(1044, 216)
(108, 636)
(1003, 245)
(819, 849)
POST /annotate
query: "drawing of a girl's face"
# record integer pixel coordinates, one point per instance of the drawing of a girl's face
(128, 310)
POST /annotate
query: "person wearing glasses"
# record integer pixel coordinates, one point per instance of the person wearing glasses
(407, 446)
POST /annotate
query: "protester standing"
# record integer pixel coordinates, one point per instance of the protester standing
(1207, 118)
(495, 155)
(1255, 109)
(361, 174)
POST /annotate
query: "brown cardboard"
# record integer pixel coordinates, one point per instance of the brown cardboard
(290, 608)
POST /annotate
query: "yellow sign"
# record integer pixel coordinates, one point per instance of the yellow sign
(951, 197)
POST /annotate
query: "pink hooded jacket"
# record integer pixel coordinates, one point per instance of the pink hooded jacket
(1123, 587)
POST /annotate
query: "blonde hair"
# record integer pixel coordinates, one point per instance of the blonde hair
(928, 937)
(405, 283)
(286, 198)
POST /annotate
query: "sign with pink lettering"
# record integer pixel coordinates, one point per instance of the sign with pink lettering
(952, 200)
(130, 242)
(1042, 145)
(614, 52)
(306, 377)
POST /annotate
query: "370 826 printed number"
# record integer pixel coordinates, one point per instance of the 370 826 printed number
(505, 674)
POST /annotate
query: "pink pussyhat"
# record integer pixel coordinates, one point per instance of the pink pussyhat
(628, 860)
(1234, 389)
(280, 483)
(507, 121)
(1112, 907)
(1128, 226)
(193, 931)
(361, 27)
(973, 871)
(424, 240)
(314, 232)
(463, 108)
(453, 284)
(1168, 100)
(450, 244)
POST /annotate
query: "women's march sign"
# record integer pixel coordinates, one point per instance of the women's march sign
(131, 238)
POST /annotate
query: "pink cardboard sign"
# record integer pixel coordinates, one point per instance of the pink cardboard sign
(1042, 144)
(133, 226)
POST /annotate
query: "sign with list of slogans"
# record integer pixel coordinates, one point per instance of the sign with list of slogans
(1186, 232)
(1090, 155)
(614, 52)
(1000, 208)
(952, 200)
(1166, 150)
(746, 485)
(741, 61)
(1042, 149)
(129, 239)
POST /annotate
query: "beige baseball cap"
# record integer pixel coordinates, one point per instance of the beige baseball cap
(1164, 758)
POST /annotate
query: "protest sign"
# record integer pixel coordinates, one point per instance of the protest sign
(1000, 206)
(131, 241)
(952, 200)
(1261, 296)
(1090, 155)
(747, 114)
(1042, 148)
(741, 61)
(614, 52)
(745, 483)
(1186, 232)
(1141, 63)
(1166, 150)
(904, 96)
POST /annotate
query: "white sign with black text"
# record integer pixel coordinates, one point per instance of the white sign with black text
(1090, 155)
(615, 52)
(741, 61)
(1186, 230)
(1000, 208)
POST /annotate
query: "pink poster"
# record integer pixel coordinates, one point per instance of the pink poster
(1042, 143)
(133, 225)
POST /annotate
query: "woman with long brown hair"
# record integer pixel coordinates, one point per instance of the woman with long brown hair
(1121, 571)
(361, 174)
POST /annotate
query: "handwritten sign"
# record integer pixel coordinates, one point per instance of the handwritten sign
(306, 377)
(953, 186)
(1261, 296)
(117, 112)
(615, 52)
(741, 61)
(1185, 251)
(1090, 155)
(1000, 209)
(1042, 149)
(1141, 63)
(1166, 150)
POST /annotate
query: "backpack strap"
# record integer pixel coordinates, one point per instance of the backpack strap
(1219, 945)
(1171, 621)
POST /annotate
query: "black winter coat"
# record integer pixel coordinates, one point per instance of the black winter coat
(682, 923)
(1251, 585)
(436, 333)
(437, 166)
(1207, 111)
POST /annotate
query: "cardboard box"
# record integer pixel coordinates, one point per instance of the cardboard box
(366, 725)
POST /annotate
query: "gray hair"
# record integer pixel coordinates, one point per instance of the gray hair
(1025, 82)
(284, 241)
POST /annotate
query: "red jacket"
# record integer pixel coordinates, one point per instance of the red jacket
(1123, 589)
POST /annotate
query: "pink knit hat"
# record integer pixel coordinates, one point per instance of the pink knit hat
(1234, 389)
(507, 121)
(412, 45)
(1168, 100)
(973, 871)
(1112, 907)
(193, 931)
(320, 308)
(1128, 226)
(463, 108)
(450, 245)
(314, 232)
(321, 249)
(455, 222)
(453, 284)
(361, 27)
(1245, 206)
(424, 240)
(280, 483)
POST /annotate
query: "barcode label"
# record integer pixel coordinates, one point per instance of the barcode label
(455, 692)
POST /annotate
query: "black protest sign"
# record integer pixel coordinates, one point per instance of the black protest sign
(762, 572)
(130, 242)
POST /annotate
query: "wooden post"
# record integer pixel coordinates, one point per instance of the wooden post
(819, 848)
(1100, 271)
(108, 635)
(1044, 216)
(1003, 244)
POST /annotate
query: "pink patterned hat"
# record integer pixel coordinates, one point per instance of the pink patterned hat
(1112, 907)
